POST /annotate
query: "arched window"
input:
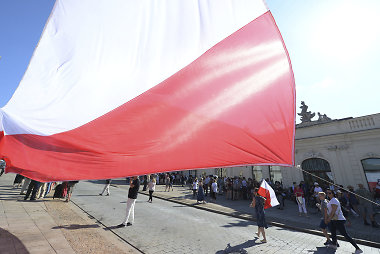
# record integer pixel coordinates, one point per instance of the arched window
(317, 167)
(275, 174)
(371, 168)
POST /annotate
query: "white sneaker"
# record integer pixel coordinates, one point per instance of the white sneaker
(358, 251)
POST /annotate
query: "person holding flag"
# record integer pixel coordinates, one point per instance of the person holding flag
(264, 197)
(258, 203)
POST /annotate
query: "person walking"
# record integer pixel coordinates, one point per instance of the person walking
(323, 224)
(335, 216)
(106, 188)
(258, 203)
(132, 196)
(152, 188)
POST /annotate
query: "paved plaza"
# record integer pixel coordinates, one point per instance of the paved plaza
(88, 225)
(49, 226)
(287, 218)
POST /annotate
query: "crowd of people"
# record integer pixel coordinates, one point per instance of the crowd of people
(353, 202)
(234, 188)
(33, 190)
(336, 203)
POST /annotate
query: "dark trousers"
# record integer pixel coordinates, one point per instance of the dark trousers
(32, 188)
(194, 193)
(339, 224)
(150, 195)
(205, 186)
(244, 192)
(213, 195)
(281, 200)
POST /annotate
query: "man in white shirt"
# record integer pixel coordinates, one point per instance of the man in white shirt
(195, 187)
(214, 189)
(317, 189)
(335, 215)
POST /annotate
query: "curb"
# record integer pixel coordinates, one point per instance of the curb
(244, 216)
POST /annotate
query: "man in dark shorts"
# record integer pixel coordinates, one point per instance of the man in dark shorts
(323, 225)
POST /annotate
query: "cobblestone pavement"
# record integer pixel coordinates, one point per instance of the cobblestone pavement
(167, 227)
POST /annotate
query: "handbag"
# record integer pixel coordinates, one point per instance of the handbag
(300, 200)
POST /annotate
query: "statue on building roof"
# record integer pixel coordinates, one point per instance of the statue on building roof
(306, 116)
(323, 118)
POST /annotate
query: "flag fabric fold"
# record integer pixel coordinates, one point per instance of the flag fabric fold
(268, 193)
(118, 88)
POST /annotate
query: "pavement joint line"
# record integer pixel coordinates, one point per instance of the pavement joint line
(105, 226)
(244, 216)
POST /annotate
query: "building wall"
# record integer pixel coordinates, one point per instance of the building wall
(342, 143)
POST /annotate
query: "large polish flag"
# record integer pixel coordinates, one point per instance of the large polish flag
(118, 88)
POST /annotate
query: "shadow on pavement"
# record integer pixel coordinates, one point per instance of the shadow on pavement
(113, 227)
(28, 200)
(240, 248)
(323, 250)
(88, 195)
(76, 226)
(12, 194)
(239, 224)
(10, 242)
(184, 206)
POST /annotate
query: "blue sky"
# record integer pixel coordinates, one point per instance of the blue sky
(333, 46)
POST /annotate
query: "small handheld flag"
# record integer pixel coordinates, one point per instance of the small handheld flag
(267, 192)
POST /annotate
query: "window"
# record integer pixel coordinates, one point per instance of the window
(317, 167)
(371, 168)
(257, 173)
(221, 172)
(275, 173)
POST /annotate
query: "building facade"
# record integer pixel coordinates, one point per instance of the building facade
(344, 151)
